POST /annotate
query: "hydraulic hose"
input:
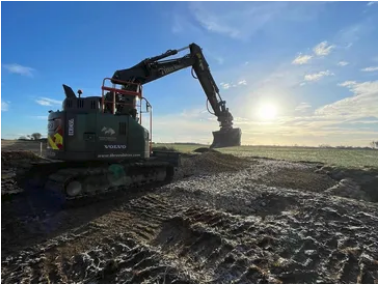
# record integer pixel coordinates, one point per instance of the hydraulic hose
(207, 100)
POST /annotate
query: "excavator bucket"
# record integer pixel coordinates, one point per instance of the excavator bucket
(229, 138)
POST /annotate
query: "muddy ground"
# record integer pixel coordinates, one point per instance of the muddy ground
(222, 220)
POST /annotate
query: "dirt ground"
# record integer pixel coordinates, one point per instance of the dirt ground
(222, 220)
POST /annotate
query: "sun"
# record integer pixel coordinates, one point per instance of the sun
(267, 112)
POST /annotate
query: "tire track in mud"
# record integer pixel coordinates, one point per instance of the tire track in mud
(229, 247)
(28, 220)
(220, 228)
(153, 234)
(121, 237)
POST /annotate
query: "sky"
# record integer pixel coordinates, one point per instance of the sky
(303, 73)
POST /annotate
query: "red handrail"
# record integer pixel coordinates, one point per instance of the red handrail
(119, 91)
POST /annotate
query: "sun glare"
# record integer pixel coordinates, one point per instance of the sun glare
(267, 112)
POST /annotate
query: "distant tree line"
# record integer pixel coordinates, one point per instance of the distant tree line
(372, 144)
(33, 136)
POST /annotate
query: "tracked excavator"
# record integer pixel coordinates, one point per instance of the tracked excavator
(98, 144)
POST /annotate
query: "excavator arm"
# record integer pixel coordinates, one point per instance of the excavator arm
(154, 68)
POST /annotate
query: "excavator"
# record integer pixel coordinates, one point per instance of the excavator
(98, 144)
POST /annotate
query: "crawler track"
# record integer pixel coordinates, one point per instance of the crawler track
(96, 182)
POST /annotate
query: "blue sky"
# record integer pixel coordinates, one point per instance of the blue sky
(301, 73)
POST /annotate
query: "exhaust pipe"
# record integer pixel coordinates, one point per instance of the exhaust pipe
(226, 138)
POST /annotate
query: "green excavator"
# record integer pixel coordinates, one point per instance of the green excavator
(98, 144)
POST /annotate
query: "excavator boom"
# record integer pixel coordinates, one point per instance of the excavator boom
(154, 68)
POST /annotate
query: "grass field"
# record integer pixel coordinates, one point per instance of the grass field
(330, 156)
(339, 157)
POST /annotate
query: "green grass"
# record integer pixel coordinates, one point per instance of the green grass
(337, 157)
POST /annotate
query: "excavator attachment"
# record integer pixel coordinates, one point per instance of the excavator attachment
(229, 138)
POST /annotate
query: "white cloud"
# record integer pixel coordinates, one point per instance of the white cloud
(302, 107)
(214, 22)
(363, 103)
(304, 130)
(323, 49)
(181, 24)
(213, 55)
(192, 113)
(48, 102)
(370, 69)
(367, 120)
(242, 82)
(19, 69)
(347, 83)
(4, 106)
(303, 125)
(193, 125)
(226, 86)
(344, 39)
(219, 60)
(351, 121)
(371, 3)
(320, 49)
(243, 19)
(177, 26)
(317, 76)
(343, 63)
(302, 59)
(349, 35)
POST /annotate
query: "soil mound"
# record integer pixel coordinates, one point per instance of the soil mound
(211, 162)
(360, 184)
(11, 161)
(305, 179)
(17, 158)
(204, 150)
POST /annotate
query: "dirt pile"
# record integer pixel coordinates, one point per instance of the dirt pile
(304, 179)
(17, 158)
(203, 150)
(360, 184)
(11, 162)
(210, 162)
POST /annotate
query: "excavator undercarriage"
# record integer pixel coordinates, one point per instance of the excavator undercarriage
(72, 184)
